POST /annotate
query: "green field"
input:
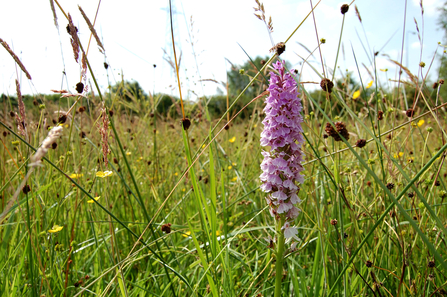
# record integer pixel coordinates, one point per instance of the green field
(130, 200)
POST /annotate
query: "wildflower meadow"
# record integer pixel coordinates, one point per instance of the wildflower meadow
(297, 178)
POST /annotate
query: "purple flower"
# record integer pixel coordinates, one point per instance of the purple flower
(283, 134)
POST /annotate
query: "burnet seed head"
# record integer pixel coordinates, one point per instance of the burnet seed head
(283, 134)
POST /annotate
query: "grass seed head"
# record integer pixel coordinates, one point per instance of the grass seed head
(73, 31)
(344, 8)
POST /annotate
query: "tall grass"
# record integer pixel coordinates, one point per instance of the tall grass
(181, 213)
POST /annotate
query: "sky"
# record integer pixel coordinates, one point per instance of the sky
(208, 34)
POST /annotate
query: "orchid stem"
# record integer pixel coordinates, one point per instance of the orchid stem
(279, 255)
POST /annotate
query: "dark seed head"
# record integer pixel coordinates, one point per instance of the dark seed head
(410, 195)
(12, 114)
(110, 112)
(360, 143)
(54, 145)
(390, 186)
(62, 119)
(166, 228)
(431, 264)
(344, 8)
(326, 85)
(82, 109)
(82, 134)
(35, 103)
(410, 112)
(279, 48)
(106, 66)
(186, 123)
(227, 127)
(441, 81)
(334, 222)
(435, 85)
(369, 264)
(340, 130)
(26, 189)
(380, 115)
(79, 87)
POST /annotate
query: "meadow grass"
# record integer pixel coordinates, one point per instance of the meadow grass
(178, 211)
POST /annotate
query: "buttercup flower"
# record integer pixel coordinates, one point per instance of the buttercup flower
(55, 229)
(91, 200)
(283, 134)
(104, 174)
(76, 175)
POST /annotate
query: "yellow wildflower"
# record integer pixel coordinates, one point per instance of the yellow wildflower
(176, 174)
(128, 153)
(76, 175)
(234, 179)
(370, 84)
(104, 174)
(384, 70)
(356, 94)
(186, 234)
(55, 229)
(234, 164)
(232, 139)
(203, 146)
(230, 167)
(420, 123)
(91, 200)
(400, 154)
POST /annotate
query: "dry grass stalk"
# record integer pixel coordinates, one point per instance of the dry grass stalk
(358, 13)
(59, 91)
(104, 135)
(84, 66)
(14, 56)
(92, 29)
(36, 160)
(73, 31)
(21, 120)
(407, 71)
(260, 14)
(53, 135)
(54, 13)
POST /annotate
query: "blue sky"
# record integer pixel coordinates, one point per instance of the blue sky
(135, 33)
